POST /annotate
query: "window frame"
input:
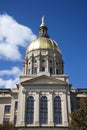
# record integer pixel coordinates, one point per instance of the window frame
(43, 110)
(35, 70)
(7, 109)
(57, 110)
(16, 105)
(30, 110)
(51, 70)
(43, 69)
(6, 119)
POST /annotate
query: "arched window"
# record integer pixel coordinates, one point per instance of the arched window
(57, 110)
(30, 110)
(43, 110)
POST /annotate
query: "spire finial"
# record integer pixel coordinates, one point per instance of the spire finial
(43, 21)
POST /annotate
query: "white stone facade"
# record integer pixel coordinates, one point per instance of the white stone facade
(8, 100)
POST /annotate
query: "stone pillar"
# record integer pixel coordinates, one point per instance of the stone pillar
(65, 110)
(69, 103)
(23, 108)
(25, 67)
(19, 106)
(47, 64)
(39, 64)
(12, 109)
(54, 64)
(50, 109)
(32, 64)
(36, 110)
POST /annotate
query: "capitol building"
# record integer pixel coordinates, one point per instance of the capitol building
(44, 97)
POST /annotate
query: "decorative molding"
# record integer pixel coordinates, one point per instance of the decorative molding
(24, 91)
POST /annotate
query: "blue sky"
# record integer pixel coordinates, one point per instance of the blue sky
(67, 25)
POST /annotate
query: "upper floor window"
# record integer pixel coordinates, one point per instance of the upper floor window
(43, 110)
(16, 105)
(57, 110)
(30, 110)
(7, 108)
(50, 61)
(43, 60)
(35, 61)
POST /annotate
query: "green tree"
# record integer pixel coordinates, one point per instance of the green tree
(8, 126)
(79, 116)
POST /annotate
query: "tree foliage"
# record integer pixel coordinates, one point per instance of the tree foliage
(7, 126)
(79, 116)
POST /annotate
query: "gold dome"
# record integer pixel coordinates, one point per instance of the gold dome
(43, 43)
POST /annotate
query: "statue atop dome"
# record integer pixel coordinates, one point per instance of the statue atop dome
(43, 28)
(43, 21)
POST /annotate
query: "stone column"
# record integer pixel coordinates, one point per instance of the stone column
(36, 109)
(25, 67)
(69, 103)
(47, 65)
(31, 64)
(65, 110)
(50, 109)
(39, 63)
(19, 106)
(12, 110)
(54, 64)
(23, 108)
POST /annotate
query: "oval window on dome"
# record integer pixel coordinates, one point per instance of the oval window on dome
(50, 61)
(43, 60)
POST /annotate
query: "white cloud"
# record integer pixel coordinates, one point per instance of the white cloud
(14, 71)
(12, 36)
(11, 82)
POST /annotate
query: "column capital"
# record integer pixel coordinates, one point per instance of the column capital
(24, 91)
(51, 92)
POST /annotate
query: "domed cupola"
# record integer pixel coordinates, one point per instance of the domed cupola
(43, 56)
(43, 29)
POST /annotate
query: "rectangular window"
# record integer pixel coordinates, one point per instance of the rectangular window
(28, 71)
(43, 69)
(51, 70)
(16, 105)
(15, 119)
(35, 70)
(7, 108)
(56, 71)
(6, 119)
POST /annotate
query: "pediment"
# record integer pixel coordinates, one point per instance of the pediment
(44, 79)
